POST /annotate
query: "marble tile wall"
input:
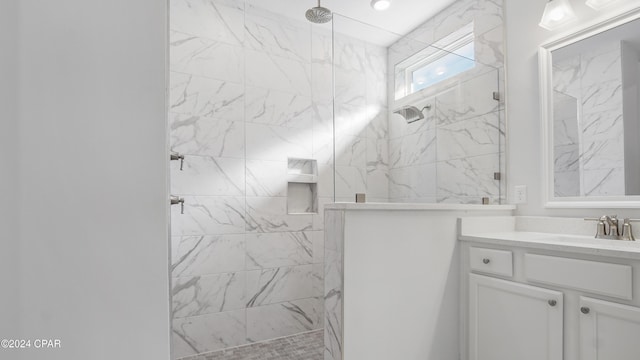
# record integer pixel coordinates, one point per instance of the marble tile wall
(248, 90)
(361, 125)
(451, 155)
(589, 138)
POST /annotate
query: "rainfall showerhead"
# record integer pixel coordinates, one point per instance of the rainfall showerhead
(411, 113)
(319, 14)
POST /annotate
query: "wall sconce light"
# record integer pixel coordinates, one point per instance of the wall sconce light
(380, 4)
(599, 4)
(557, 13)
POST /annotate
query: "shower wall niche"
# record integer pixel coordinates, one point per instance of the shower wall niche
(302, 186)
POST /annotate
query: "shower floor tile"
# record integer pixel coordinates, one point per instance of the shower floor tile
(307, 346)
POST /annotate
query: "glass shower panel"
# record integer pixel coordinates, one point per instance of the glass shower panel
(417, 119)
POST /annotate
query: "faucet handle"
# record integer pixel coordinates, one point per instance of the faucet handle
(627, 233)
(600, 228)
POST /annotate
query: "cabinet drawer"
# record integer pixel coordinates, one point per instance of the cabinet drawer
(591, 276)
(491, 261)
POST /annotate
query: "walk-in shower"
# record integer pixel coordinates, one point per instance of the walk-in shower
(253, 92)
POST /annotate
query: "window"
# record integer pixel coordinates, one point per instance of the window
(445, 59)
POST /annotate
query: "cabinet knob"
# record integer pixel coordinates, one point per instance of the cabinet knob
(585, 310)
(552, 302)
(486, 261)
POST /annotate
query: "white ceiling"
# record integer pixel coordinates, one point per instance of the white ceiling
(401, 17)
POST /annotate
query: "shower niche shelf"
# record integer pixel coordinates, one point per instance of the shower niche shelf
(302, 186)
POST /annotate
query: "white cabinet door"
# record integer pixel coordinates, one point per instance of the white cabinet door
(510, 321)
(608, 331)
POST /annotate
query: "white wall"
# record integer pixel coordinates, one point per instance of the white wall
(8, 172)
(93, 174)
(524, 36)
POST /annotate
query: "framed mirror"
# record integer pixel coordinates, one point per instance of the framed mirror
(590, 107)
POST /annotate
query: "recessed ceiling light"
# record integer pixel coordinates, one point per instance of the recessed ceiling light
(380, 4)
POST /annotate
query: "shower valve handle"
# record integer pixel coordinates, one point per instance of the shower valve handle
(175, 200)
(177, 156)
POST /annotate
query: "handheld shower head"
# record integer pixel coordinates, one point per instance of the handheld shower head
(411, 113)
(319, 14)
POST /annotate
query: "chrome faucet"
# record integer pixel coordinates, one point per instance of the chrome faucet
(609, 228)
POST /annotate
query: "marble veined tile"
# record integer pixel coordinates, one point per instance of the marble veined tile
(601, 68)
(272, 250)
(200, 96)
(322, 81)
(271, 321)
(378, 127)
(352, 119)
(489, 47)
(323, 150)
(468, 99)
(199, 334)
(198, 135)
(604, 182)
(269, 214)
(566, 183)
(602, 125)
(270, 286)
(566, 76)
(206, 175)
(209, 215)
(350, 150)
(601, 97)
(414, 149)
(200, 56)
(207, 294)
(454, 17)
(318, 247)
(272, 107)
(350, 180)
(277, 143)
(349, 53)
(333, 238)
(487, 15)
(566, 158)
(278, 35)
(213, 19)
(565, 123)
(318, 219)
(266, 178)
(477, 136)
(321, 46)
(412, 182)
(272, 72)
(602, 154)
(318, 280)
(472, 177)
(207, 254)
(350, 87)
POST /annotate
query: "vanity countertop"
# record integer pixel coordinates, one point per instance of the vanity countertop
(512, 231)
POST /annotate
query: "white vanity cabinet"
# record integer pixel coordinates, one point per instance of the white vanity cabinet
(608, 330)
(509, 320)
(540, 304)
